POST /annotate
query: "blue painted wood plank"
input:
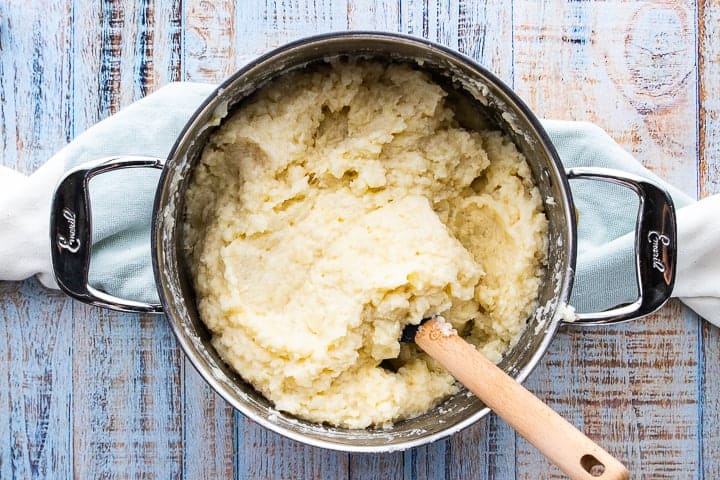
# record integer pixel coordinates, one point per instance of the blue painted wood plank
(35, 383)
(208, 421)
(226, 35)
(709, 98)
(209, 40)
(128, 397)
(35, 82)
(127, 401)
(485, 450)
(208, 429)
(35, 328)
(265, 454)
(373, 15)
(632, 388)
(426, 462)
(375, 466)
(387, 16)
(709, 397)
(262, 25)
(485, 33)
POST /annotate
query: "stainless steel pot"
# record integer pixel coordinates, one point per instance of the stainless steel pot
(481, 97)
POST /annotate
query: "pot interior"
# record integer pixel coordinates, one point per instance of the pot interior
(480, 100)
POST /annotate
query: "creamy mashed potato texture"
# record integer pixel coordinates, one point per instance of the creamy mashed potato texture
(338, 205)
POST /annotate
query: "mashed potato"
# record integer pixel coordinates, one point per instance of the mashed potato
(337, 206)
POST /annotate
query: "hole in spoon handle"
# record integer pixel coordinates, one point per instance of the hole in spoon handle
(592, 465)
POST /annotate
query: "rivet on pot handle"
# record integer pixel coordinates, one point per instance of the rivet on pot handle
(71, 233)
(655, 245)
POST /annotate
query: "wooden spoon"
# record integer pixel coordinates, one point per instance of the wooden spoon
(556, 438)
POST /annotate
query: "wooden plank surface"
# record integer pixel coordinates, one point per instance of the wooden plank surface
(36, 336)
(209, 421)
(709, 184)
(95, 393)
(128, 419)
(630, 61)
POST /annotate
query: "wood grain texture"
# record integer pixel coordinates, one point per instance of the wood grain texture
(634, 391)
(248, 28)
(209, 39)
(709, 398)
(264, 25)
(265, 454)
(485, 33)
(96, 394)
(35, 82)
(129, 417)
(210, 434)
(375, 15)
(35, 384)
(127, 420)
(709, 91)
(36, 347)
(208, 429)
(629, 67)
(709, 184)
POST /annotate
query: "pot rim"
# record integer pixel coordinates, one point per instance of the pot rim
(215, 99)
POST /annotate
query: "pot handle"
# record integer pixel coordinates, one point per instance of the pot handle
(655, 245)
(71, 233)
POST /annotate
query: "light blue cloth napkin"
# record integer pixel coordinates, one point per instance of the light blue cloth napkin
(122, 201)
(605, 270)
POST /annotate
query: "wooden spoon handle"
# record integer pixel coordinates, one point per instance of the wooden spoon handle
(566, 446)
